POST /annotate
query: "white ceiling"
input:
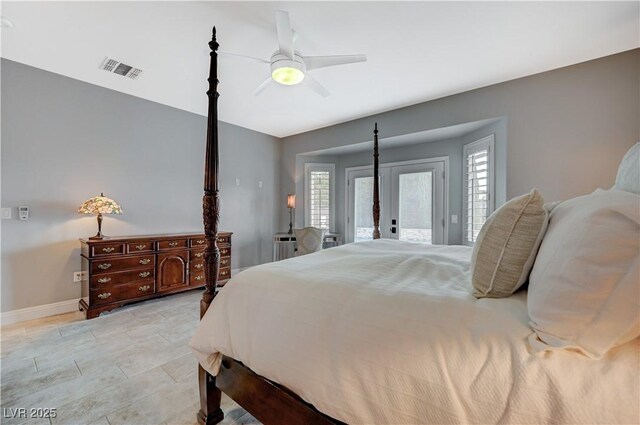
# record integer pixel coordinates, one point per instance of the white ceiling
(417, 50)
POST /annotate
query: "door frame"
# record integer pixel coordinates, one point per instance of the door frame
(444, 159)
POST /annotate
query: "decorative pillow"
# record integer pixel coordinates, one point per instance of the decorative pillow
(628, 178)
(308, 240)
(506, 247)
(584, 289)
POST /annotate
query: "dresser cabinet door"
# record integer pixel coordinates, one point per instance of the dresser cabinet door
(173, 270)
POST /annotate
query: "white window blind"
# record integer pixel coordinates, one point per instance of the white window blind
(478, 186)
(319, 195)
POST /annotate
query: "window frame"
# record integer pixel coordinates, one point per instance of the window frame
(488, 143)
(320, 166)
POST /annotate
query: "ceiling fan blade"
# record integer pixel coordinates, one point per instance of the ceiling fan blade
(315, 62)
(315, 85)
(285, 36)
(266, 83)
(243, 57)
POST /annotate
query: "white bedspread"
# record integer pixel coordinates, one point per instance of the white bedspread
(387, 332)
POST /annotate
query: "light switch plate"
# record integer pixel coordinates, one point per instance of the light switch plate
(260, 184)
(237, 182)
(454, 219)
(6, 213)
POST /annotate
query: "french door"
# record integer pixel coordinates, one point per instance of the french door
(412, 202)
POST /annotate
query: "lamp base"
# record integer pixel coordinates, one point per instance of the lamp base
(99, 237)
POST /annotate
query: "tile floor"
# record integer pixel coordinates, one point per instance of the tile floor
(131, 366)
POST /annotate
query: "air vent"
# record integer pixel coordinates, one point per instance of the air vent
(116, 67)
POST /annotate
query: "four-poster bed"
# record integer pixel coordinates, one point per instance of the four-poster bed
(268, 401)
(383, 332)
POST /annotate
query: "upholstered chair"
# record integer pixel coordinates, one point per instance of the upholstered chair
(308, 240)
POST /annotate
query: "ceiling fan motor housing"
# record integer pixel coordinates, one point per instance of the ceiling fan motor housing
(285, 70)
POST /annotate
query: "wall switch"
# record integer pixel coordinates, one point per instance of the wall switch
(6, 213)
(237, 182)
(23, 213)
(454, 218)
(79, 276)
(260, 184)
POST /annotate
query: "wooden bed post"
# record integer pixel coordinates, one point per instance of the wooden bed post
(376, 192)
(210, 412)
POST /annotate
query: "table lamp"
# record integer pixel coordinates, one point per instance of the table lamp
(291, 204)
(100, 205)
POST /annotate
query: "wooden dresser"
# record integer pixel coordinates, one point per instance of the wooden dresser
(121, 270)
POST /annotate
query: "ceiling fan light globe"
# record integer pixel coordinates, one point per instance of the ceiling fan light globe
(287, 75)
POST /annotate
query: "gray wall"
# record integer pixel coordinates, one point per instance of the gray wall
(64, 141)
(451, 148)
(567, 129)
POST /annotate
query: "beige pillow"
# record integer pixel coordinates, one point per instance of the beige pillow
(308, 240)
(507, 245)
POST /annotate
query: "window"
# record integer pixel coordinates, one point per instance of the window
(319, 195)
(478, 186)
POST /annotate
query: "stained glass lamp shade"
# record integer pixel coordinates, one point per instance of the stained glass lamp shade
(100, 205)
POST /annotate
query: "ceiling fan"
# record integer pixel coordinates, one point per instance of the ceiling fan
(289, 67)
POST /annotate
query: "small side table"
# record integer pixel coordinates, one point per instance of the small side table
(284, 244)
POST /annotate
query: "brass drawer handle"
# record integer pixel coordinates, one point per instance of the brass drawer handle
(104, 266)
(199, 254)
(140, 247)
(144, 288)
(109, 249)
(224, 251)
(224, 273)
(198, 266)
(224, 261)
(222, 239)
(104, 296)
(104, 280)
(199, 277)
(144, 261)
(144, 274)
(200, 241)
(173, 243)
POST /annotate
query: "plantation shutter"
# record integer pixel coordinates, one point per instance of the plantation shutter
(478, 180)
(319, 195)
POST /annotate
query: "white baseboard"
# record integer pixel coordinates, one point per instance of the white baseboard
(38, 312)
(238, 270)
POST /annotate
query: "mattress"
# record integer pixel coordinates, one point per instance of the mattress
(387, 332)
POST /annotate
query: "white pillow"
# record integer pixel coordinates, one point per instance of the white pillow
(628, 178)
(584, 289)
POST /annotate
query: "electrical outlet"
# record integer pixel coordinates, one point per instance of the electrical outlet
(79, 276)
(237, 182)
(454, 219)
(260, 184)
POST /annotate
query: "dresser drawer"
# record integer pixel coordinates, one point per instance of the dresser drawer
(197, 278)
(135, 247)
(107, 249)
(173, 244)
(122, 277)
(196, 265)
(120, 264)
(225, 251)
(224, 239)
(225, 262)
(112, 293)
(224, 273)
(194, 242)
